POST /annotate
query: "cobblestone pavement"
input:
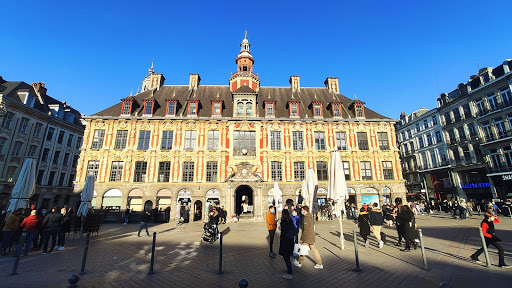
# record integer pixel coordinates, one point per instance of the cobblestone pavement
(118, 258)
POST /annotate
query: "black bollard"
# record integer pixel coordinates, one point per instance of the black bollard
(73, 279)
(20, 246)
(358, 269)
(86, 248)
(243, 283)
(152, 255)
(220, 255)
(423, 250)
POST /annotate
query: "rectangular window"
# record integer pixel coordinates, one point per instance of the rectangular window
(65, 161)
(462, 133)
(93, 167)
(346, 170)
(417, 127)
(60, 139)
(49, 135)
(171, 108)
(167, 139)
(213, 140)
(217, 108)
(495, 158)
(420, 142)
(299, 171)
(75, 161)
(11, 172)
(269, 108)
(16, 151)
(467, 111)
(140, 171)
(164, 171)
(148, 110)
(126, 107)
(97, 140)
(434, 120)
(493, 102)
(190, 139)
(487, 129)
(144, 139)
(188, 172)
(6, 122)
(359, 111)
(409, 134)
(480, 108)
(56, 157)
(500, 127)
(40, 175)
(298, 141)
(382, 138)
(192, 109)
(31, 150)
(317, 109)
(321, 171)
(61, 179)
(51, 178)
(456, 115)
(78, 143)
(23, 125)
(276, 171)
(121, 139)
(244, 143)
(44, 157)
(439, 139)
(37, 130)
(387, 170)
(336, 110)
(425, 123)
(70, 180)
(429, 139)
(366, 170)
(505, 96)
(116, 171)
(275, 140)
(211, 171)
(507, 154)
(471, 130)
(294, 109)
(319, 140)
(70, 140)
(341, 141)
(362, 141)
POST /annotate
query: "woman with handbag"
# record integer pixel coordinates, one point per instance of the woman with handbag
(490, 238)
(287, 242)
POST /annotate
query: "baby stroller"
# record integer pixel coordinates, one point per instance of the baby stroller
(210, 232)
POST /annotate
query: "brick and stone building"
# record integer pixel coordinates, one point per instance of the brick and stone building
(193, 144)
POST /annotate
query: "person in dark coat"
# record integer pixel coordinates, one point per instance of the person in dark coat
(144, 219)
(405, 224)
(287, 242)
(490, 238)
(167, 214)
(51, 226)
(363, 221)
(65, 228)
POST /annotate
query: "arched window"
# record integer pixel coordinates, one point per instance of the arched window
(240, 108)
(248, 108)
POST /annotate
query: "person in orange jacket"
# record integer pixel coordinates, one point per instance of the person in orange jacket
(490, 239)
(271, 226)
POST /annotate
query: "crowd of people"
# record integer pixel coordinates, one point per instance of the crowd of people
(40, 227)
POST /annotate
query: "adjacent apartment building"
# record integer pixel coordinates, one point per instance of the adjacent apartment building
(33, 124)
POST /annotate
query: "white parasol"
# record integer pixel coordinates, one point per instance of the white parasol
(24, 188)
(337, 189)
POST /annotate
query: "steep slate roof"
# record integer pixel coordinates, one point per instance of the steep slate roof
(205, 94)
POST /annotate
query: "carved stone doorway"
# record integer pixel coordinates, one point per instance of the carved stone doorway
(244, 201)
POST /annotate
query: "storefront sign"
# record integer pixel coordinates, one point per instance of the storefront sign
(475, 185)
(507, 177)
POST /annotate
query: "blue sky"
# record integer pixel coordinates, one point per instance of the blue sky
(395, 55)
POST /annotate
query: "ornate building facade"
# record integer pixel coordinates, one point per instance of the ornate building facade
(194, 144)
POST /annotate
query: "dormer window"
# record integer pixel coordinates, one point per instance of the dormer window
(29, 100)
(244, 107)
(171, 108)
(148, 107)
(192, 108)
(294, 109)
(127, 108)
(217, 108)
(359, 111)
(270, 108)
(317, 109)
(336, 109)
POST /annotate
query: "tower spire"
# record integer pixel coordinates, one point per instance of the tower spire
(151, 70)
(245, 37)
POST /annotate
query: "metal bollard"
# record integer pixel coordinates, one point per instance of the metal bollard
(20, 246)
(86, 248)
(220, 255)
(73, 279)
(425, 266)
(358, 269)
(509, 214)
(243, 283)
(152, 255)
(478, 209)
(487, 260)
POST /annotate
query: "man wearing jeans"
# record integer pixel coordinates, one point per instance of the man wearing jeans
(308, 238)
(32, 223)
(272, 226)
(52, 225)
(144, 219)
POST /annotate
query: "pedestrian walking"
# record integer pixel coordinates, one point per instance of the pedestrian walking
(405, 220)
(307, 238)
(126, 214)
(52, 224)
(167, 214)
(33, 224)
(144, 219)
(399, 227)
(271, 226)
(65, 228)
(286, 244)
(363, 222)
(11, 226)
(376, 222)
(490, 239)
(296, 223)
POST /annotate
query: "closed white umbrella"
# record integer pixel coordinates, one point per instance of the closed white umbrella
(277, 196)
(304, 193)
(24, 188)
(312, 187)
(86, 197)
(337, 189)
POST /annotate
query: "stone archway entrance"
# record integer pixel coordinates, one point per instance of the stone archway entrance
(244, 201)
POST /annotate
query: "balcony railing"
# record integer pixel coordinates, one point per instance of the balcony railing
(500, 169)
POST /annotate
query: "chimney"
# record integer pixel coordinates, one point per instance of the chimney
(295, 83)
(506, 67)
(194, 81)
(40, 90)
(2, 80)
(402, 115)
(332, 84)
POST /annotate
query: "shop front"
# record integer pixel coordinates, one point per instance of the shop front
(475, 184)
(502, 184)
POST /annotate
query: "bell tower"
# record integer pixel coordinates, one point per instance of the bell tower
(244, 76)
